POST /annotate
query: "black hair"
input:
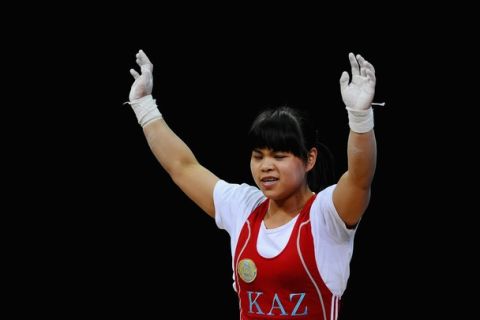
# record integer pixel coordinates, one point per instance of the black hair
(289, 130)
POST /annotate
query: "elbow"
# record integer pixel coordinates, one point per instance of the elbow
(177, 169)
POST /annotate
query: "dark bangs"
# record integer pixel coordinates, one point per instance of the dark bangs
(278, 130)
(287, 129)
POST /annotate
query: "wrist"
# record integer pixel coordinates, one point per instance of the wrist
(360, 121)
(145, 109)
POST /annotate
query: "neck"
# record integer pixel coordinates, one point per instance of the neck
(290, 206)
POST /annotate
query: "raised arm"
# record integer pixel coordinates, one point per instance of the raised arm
(173, 154)
(352, 193)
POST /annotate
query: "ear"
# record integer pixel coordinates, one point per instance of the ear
(311, 159)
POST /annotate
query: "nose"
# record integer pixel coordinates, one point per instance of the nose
(266, 165)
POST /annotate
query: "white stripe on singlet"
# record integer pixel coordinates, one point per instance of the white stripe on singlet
(334, 308)
(306, 269)
(236, 268)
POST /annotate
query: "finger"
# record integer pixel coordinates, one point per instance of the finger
(143, 61)
(144, 68)
(370, 66)
(362, 63)
(344, 79)
(134, 74)
(143, 56)
(363, 71)
(354, 64)
(371, 76)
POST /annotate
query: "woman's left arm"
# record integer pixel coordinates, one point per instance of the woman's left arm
(352, 193)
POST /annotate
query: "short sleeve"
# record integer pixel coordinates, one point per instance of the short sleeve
(333, 242)
(233, 204)
(325, 217)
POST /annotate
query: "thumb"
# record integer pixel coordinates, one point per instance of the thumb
(344, 79)
(134, 74)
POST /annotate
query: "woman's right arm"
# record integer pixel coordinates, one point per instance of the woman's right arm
(173, 154)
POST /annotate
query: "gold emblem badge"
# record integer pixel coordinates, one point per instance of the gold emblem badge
(247, 270)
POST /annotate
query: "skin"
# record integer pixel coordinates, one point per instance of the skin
(290, 192)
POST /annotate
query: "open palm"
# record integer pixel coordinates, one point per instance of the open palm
(143, 84)
(359, 93)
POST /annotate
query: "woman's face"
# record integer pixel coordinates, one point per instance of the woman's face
(278, 174)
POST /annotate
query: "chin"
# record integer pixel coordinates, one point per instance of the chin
(270, 194)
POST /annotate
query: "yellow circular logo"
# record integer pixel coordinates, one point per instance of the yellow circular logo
(247, 270)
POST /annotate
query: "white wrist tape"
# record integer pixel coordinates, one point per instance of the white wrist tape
(360, 121)
(145, 109)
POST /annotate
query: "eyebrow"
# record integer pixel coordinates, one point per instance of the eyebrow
(260, 150)
(257, 150)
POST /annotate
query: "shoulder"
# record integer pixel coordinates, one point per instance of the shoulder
(324, 199)
(325, 218)
(235, 192)
(234, 202)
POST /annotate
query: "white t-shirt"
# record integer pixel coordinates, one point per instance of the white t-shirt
(333, 241)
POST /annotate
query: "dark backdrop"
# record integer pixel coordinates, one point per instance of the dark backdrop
(122, 239)
(150, 241)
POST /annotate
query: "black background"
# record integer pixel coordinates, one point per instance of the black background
(117, 237)
(209, 87)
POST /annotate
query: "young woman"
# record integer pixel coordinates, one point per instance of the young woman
(292, 234)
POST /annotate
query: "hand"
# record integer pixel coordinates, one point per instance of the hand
(143, 84)
(358, 94)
